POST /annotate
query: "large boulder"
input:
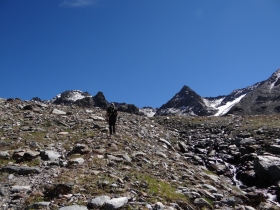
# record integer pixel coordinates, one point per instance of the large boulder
(267, 169)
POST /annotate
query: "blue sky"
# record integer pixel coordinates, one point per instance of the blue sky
(136, 51)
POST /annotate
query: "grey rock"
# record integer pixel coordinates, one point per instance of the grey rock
(165, 142)
(247, 141)
(21, 170)
(73, 207)
(127, 158)
(267, 169)
(202, 202)
(159, 206)
(4, 154)
(58, 112)
(114, 158)
(97, 202)
(115, 203)
(97, 118)
(230, 201)
(17, 188)
(78, 161)
(50, 155)
(275, 149)
(210, 188)
(26, 155)
(38, 205)
(3, 191)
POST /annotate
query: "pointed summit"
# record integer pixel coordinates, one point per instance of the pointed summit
(185, 88)
(185, 102)
(100, 100)
(186, 91)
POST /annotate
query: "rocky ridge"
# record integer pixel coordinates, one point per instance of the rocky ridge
(260, 98)
(60, 157)
(188, 103)
(84, 99)
(264, 99)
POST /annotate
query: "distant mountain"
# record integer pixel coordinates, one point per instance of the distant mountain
(264, 99)
(69, 97)
(260, 98)
(84, 99)
(189, 103)
(185, 102)
(222, 104)
(81, 98)
(148, 111)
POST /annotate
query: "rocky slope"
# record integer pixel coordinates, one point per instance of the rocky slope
(60, 157)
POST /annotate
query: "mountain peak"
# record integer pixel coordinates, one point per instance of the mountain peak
(185, 102)
(276, 73)
(70, 96)
(185, 88)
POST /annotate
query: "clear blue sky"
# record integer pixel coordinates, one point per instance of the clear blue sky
(136, 51)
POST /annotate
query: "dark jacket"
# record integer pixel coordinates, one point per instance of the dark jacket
(112, 114)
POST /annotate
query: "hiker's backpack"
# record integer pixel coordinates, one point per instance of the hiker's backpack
(112, 112)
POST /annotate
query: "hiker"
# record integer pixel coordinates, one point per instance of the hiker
(112, 114)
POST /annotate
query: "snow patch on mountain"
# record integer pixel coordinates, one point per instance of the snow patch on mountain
(148, 111)
(72, 95)
(76, 95)
(225, 108)
(277, 75)
(213, 103)
(222, 109)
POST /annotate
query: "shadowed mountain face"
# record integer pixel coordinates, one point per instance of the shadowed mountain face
(265, 99)
(260, 98)
(185, 102)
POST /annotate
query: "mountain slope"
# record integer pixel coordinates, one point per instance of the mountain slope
(188, 103)
(222, 104)
(264, 99)
(185, 102)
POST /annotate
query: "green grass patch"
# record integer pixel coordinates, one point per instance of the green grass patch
(160, 188)
(209, 200)
(4, 177)
(86, 179)
(10, 144)
(33, 163)
(4, 162)
(209, 172)
(34, 198)
(36, 136)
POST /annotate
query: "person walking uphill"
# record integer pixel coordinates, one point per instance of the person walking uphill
(112, 114)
